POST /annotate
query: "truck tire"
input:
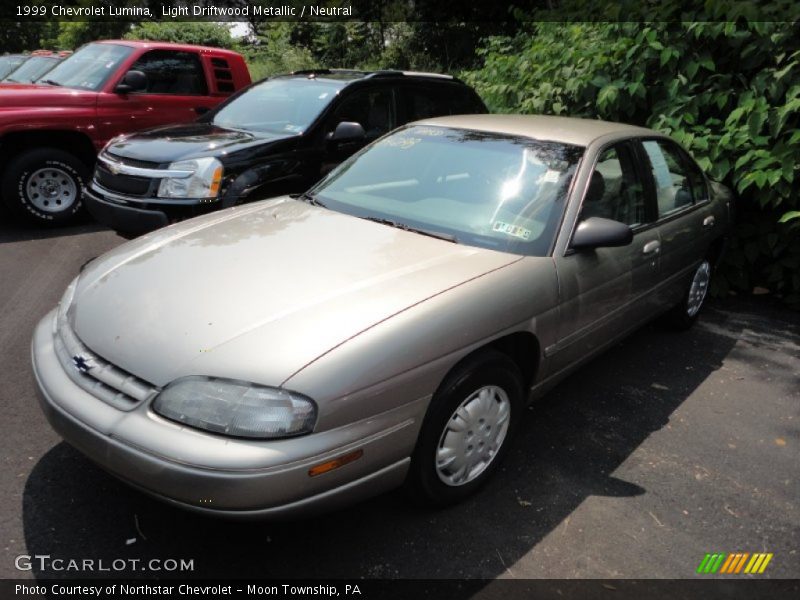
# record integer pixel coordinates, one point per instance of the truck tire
(45, 185)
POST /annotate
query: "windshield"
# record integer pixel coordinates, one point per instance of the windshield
(9, 63)
(90, 67)
(481, 189)
(278, 105)
(32, 69)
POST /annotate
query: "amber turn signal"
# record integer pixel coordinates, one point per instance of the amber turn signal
(337, 462)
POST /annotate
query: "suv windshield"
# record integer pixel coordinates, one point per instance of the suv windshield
(89, 67)
(493, 191)
(278, 105)
(32, 69)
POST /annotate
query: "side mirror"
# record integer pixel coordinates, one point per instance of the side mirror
(134, 81)
(597, 232)
(348, 131)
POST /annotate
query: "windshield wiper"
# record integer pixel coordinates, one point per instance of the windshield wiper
(50, 82)
(434, 234)
(311, 199)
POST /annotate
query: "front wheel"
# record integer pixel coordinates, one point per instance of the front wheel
(467, 430)
(45, 185)
(685, 314)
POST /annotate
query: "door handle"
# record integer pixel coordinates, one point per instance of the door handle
(709, 222)
(653, 247)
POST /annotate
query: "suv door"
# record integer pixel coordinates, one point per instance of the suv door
(176, 92)
(685, 218)
(372, 107)
(606, 291)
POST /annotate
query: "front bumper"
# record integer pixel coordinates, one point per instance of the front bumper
(216, 475)
(135, 217)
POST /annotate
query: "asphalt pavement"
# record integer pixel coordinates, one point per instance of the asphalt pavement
(665, 448)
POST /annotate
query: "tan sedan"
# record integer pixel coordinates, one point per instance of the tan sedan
(386, 328)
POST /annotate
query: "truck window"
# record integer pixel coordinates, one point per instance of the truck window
(171, 72)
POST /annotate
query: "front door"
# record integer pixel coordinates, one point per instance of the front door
(605, 292)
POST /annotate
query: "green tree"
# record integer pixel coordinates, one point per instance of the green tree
(185, 32)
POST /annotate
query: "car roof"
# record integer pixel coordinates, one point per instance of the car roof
(351, 75)
(173, 45)
(568, 130)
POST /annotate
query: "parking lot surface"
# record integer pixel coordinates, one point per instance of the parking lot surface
(667, 447)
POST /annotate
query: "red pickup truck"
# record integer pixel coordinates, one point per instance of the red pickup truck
(51, 132)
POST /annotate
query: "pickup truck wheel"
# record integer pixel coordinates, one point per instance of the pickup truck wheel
(467, 430)
(45, 185)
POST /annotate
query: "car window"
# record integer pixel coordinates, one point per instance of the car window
(9, 63)
(32, 69)
(371, 108)
(673, 186)
(424, 103)
(90, 67)
(171, 72)
(494, 191)
(615, 189)
(280, 105)
(697, 181)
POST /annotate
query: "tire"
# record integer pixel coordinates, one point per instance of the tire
(487, 386)
(684, 314)
(45, 185)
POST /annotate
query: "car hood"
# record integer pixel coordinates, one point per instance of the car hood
(32, 96)
(181, 142)
(258, 292)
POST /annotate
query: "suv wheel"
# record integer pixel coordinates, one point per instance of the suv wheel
(45, 185)
(467, 430)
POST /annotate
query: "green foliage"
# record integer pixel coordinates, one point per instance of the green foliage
(273, 52)
(185, 32)
(728, 91)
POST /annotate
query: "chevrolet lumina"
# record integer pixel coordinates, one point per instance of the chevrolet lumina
(385, 328)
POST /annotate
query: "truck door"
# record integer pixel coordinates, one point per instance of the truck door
(176, 92)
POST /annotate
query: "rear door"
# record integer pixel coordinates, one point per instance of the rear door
(606, 291)
(685, 219)
(176, 92)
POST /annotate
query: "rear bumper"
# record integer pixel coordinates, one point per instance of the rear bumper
(221, 476)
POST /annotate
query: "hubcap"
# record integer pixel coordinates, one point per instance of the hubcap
(473, 435)
(699, 288)
(52, 190)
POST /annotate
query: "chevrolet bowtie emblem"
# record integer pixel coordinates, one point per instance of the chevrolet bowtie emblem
(81, 363)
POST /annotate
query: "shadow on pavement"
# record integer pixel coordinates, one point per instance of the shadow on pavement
(567, 448)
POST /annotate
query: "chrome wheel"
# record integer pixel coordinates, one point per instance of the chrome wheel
(698, 289)
(51, 189)
(473, 436)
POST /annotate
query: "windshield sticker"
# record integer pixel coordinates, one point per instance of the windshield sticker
(402, 142)
(512, 230)
(550, 176)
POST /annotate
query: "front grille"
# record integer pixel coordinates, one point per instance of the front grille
(123, 184)
(145, 164)
(96, 375)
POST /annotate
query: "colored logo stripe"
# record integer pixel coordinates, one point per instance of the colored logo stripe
(734, 563)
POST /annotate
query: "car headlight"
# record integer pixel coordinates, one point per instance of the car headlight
(66, 302)
(204, 182)
(236, 408)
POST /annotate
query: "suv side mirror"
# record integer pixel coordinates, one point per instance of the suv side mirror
(134, 81)
(348, 131)
(597, 232)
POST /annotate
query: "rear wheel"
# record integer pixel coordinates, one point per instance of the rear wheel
(45, 185)
(467, 430)
(685, 314)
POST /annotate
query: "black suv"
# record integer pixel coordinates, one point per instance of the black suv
(278, 136)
